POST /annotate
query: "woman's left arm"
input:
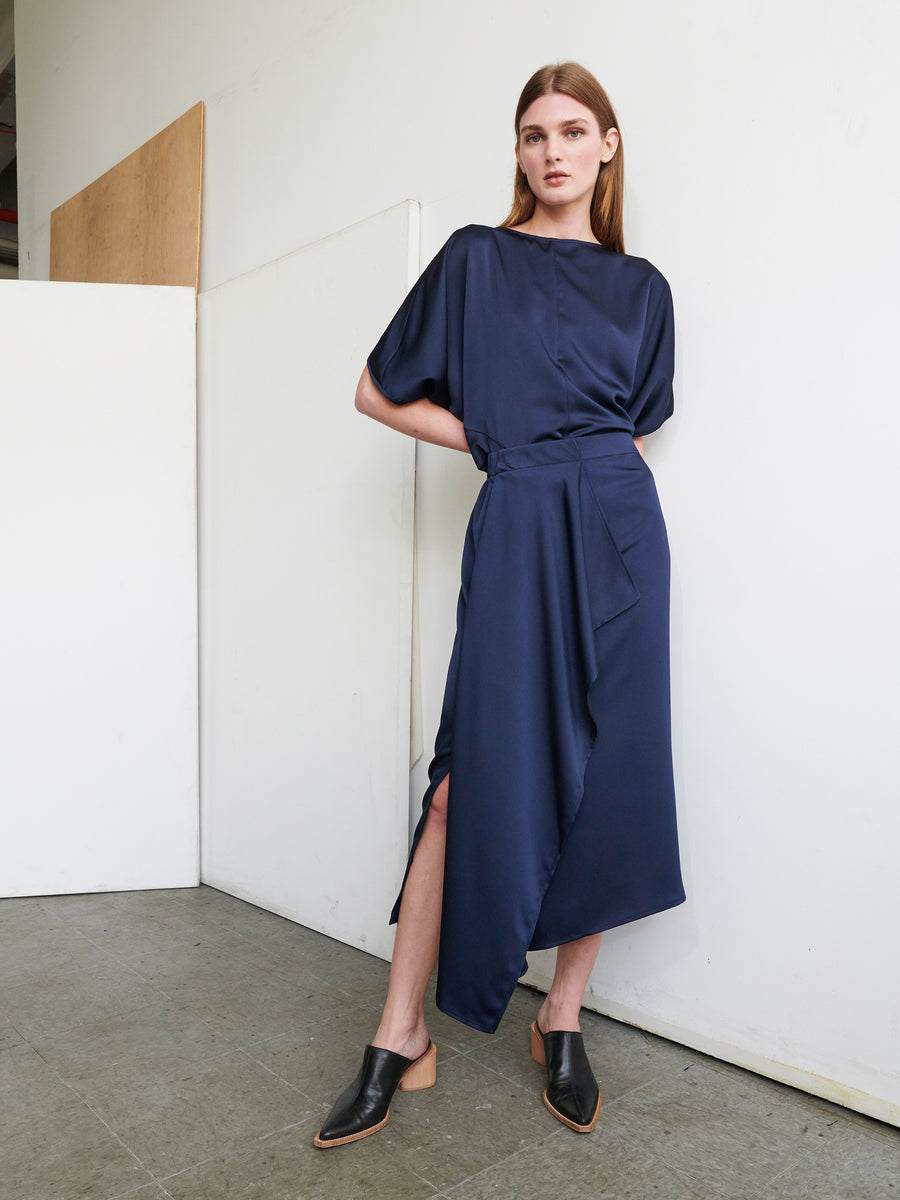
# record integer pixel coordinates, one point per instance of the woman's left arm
(639, 442)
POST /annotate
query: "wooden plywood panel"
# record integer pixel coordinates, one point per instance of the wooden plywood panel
(140, 222)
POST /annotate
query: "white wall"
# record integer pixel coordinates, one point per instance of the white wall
(98, 608)
(306, 588)
(763, 180)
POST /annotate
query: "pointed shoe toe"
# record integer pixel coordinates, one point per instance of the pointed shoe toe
(364, 1107)
(572, 1094)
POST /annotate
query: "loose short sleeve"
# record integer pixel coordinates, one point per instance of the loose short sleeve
(652, 400)
(411, 359)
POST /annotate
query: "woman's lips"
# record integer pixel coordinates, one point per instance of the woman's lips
(555, 177)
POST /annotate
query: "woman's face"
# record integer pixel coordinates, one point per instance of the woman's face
(560, 149)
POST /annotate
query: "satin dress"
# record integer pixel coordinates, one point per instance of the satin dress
(555, 727)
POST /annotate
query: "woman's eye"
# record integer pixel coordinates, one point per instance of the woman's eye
(576, 133)
(533, 137)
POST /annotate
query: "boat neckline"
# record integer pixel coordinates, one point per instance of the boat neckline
(542, 237)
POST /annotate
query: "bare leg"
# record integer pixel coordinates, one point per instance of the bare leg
(402, 1027)
(574, 963)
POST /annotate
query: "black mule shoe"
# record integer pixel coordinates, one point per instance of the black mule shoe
(572, 1094)
(363, 1108)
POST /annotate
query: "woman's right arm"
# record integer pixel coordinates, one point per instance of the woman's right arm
(421, 419)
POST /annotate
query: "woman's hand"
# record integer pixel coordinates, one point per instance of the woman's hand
(422, 419)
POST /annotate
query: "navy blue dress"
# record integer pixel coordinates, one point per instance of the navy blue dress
(555, 727)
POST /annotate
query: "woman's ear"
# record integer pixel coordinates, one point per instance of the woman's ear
(610, 144)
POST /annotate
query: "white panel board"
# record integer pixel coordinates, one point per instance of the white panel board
(306, 570)
(98, 609)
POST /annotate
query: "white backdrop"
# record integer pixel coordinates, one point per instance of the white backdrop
(306, 588)
(763, 179)
(98, 608)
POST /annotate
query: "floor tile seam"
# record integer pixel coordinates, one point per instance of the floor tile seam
(17, 934)
(167, 1076)
(183, 903)
(49, 906)
(697, 1182)
(845, 1127)
(626, 1095)
(781, 1174)
(339, 993)
(448, 1053)
(697, 1187)
(103, 950)
(883, 1131)
(293, 1031)
(281, 1079)
(40, 979)
(436, 1195)
(786, 1102)
(208, 1013)
(210, 979)
(91, 966)
(16, 1030)
(813, 1154)
(290, 973)
(27, 948)
(66, 974)
(75, 914)
(536, 1091)
(140, 1187)
(240, 1150)
(112, 1133)
(128, 1012)
(701, 1188)
(499, 1074)
(271, 919)
(787, 1093)
(179, 939)
(553, 1135)
(852, 1119)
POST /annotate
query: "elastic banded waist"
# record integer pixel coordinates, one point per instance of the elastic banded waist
(572, 449)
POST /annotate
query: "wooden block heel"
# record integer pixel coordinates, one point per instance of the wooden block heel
(537, 1045)
(422, 1073)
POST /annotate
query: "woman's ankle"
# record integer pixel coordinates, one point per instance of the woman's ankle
(554, 1014)
(403, 1038)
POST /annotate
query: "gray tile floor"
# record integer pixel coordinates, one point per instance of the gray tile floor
(185, 1044)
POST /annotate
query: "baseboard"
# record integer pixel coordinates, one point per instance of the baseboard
(805, 1081)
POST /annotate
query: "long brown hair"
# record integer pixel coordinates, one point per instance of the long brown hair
(572, 79)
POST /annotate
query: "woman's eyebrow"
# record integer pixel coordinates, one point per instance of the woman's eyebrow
(562, 125)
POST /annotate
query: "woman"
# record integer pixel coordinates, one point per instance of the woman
(546, 352)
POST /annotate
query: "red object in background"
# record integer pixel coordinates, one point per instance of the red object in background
(9, 214)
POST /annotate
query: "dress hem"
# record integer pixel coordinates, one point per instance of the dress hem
(650, 912)
(482, 1028)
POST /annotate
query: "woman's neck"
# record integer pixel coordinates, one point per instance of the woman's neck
(558, 223)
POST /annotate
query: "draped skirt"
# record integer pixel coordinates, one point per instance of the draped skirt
(555, 727)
